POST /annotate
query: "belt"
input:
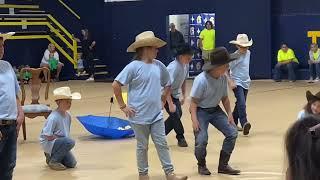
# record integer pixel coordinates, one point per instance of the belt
(7, 122)
(210, 110)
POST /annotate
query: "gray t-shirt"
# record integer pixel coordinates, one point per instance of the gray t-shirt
(56, 124)
(144, 89)
(208, 90)
(239, 70)
(9, 91)
(178, 74)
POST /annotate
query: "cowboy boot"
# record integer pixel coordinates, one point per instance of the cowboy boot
(172, 176)
(143, 177)
(224, 167)
(202, 168)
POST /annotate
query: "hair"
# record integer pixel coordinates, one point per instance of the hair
(313, 44)
(307, 107)
(87, 34)
(209, 22)
(138, 54)
(184, 49)
(303, 149)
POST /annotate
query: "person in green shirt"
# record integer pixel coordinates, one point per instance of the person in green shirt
(286, 61)
(207, 40)
(314, 62)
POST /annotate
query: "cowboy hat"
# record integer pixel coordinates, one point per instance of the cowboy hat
(218, 57)
(65, 93)
(5, 36)
(311, 97)
(146, 39)
(242, 40)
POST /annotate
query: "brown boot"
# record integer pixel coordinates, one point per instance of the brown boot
(143, 177)
(172, 176)
(203, 170)
(224, 167)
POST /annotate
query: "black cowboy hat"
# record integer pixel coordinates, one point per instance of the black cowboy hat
(218, 57)
(311, 97)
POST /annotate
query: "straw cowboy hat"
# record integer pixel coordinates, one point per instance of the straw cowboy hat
(311, 97)
(218, 57)
(5, 36)
(146, 39)
(242, 40)
(65, 93)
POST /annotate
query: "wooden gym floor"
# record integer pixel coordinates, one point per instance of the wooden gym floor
(271, 107)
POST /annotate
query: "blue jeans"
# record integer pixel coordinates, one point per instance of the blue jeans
(8, 151)
(316, 72)
(217, 118)
(174, 120)
(240, 110)
(290, 67)
(61, 152)
(157, 132)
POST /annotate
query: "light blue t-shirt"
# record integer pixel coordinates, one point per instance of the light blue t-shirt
(144, 89)
(302, 114)
(56, 124)
(9, 91)
(208, 90)
(178, 74)
(239, 70)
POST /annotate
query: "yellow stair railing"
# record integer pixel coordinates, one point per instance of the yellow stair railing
(29, 21)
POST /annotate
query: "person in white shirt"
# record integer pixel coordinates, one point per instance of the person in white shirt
(48, 54)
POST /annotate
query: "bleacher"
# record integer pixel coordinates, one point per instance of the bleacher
(30, 21)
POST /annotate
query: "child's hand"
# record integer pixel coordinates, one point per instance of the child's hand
(195, 125)
(129, 111)
(232, 84)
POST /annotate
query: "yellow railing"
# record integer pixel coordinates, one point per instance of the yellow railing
(69, 9)
(72, 46)
(43, 37)
(19, 6)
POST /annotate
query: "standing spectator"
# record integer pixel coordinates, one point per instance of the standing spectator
(88, 50)
(176, 39)
(207, 40)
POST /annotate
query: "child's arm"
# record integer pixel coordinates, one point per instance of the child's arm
(231, 82)
(183, 91)
(193, 112)
(118, 93)
(51, 138)
(226, 104)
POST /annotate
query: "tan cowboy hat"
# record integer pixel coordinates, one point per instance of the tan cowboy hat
(311, 97)
(146, 39)
(5, 36)
(65, 93)
(242, 40)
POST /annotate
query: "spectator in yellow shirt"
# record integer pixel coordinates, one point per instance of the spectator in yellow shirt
(314, 63)
(286, 61)
(207, 40)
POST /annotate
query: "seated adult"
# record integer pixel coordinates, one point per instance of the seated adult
(51, 60)
(286, 61)
(314, 63)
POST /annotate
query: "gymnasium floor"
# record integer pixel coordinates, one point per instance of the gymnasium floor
(272, 107)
